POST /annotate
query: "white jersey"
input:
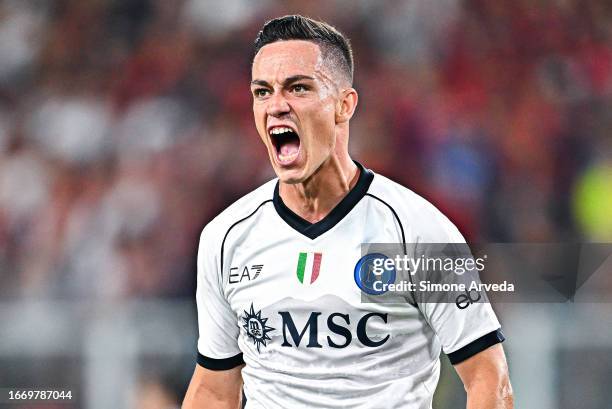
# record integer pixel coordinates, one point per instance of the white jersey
(279, 294)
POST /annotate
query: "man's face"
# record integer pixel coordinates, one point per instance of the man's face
(294, 99)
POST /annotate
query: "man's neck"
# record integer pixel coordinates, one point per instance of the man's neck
(315, 198)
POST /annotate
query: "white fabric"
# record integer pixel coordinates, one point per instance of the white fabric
(401, 373)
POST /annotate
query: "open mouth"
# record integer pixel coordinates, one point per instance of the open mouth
(287, 144)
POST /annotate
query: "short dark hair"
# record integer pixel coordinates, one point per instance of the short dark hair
(333, 44)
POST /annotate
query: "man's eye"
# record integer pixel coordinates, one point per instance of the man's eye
(260, 92)
(299, 88)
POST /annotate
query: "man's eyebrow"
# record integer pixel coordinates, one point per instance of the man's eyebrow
(286, 82)
(260, 82)
(295, 78)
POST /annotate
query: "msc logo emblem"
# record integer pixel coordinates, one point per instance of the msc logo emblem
(342, 330)
(236, 275)
(338, 324)
(256, 328)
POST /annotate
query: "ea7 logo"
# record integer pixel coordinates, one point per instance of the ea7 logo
(237, 274)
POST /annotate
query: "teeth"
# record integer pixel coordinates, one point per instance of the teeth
(279, 130)
(287, 158)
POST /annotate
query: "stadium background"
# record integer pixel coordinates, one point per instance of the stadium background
(126, 125)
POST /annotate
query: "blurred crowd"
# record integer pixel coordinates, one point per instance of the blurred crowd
(126, 125)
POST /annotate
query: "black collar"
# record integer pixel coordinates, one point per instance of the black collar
(314, 230)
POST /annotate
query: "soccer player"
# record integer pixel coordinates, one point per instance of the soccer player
(280, 315)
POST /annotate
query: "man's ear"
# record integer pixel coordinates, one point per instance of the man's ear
(345, 108)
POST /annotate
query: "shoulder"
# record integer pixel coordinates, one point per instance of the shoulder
(419, 216)
(241, 209)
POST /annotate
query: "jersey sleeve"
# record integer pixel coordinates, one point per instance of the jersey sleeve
(463, 332)
(217, 323)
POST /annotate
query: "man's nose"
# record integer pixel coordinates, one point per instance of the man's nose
(278, 105)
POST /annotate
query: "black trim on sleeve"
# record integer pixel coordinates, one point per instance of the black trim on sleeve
(234, 225)
(401, 226)
(412, 302)
(314, 230)
(220, 364)
(476, 346)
